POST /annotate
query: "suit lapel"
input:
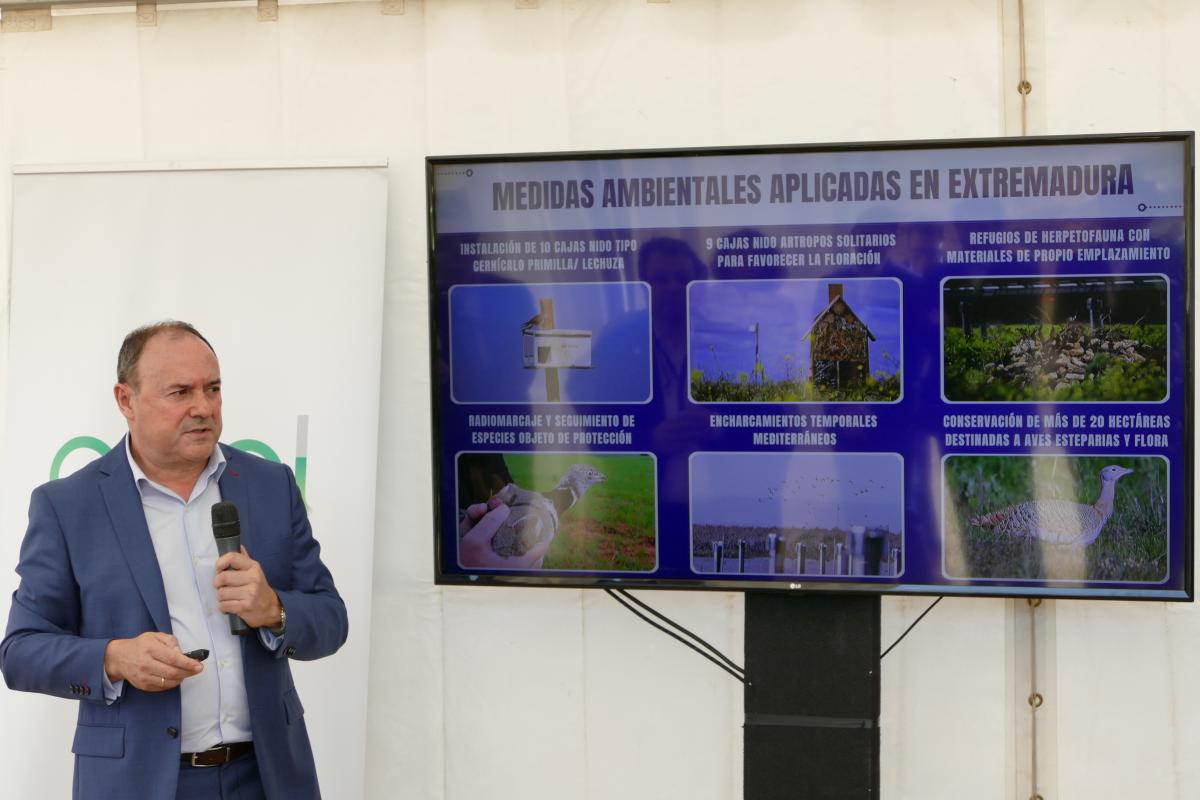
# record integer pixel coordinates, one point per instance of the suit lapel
(129, 521)
(233, 490)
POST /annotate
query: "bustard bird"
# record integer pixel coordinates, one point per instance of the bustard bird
(1059, 522)
(534, 516)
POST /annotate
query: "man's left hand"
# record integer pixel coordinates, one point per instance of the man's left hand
(242, 589)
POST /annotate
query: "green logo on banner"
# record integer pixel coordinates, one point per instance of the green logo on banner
(78, 443)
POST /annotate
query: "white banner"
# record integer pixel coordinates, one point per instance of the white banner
(281, 268)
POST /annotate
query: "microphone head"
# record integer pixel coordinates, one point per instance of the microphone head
(225, 521)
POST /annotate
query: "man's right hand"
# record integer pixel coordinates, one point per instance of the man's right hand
(153, 662)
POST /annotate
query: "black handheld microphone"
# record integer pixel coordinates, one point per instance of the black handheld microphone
(227, 530)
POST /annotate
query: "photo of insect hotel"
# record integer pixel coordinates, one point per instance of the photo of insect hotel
(795, 341)
(1085, 337)
(810, 514)
(597, 511)
(1068, 518)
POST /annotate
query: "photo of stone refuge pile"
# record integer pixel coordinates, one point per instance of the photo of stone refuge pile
(1063, 359)
(1095, 338)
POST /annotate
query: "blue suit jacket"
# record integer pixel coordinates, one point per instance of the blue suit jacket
(89, 574)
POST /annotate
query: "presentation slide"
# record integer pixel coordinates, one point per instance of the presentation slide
(946, 367)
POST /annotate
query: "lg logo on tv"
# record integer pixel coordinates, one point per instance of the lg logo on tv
(255, 446)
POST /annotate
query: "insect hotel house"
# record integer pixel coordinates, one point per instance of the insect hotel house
(839, 357)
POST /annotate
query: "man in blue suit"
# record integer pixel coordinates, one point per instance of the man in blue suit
(120, 575)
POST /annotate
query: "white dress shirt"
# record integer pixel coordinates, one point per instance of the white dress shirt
(214, 706)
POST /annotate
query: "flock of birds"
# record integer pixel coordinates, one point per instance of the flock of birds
(823, 495)
(816, 487)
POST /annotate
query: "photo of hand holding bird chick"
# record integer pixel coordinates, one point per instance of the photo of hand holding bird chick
(579, 520)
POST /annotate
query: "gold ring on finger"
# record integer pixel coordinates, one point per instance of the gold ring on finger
(162, 682)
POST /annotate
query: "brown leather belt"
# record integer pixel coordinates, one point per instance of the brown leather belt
(216, 756)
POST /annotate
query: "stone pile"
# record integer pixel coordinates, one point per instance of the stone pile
(1061, 360)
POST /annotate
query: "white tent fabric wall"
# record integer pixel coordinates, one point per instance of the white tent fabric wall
(536, 693)
(1128, 699)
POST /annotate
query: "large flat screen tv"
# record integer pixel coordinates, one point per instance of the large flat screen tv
(944, 367)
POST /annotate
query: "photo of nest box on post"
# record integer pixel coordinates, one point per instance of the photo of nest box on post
(545, 347)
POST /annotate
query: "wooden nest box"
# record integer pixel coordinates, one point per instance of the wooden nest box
(839, 357)
(556, 349)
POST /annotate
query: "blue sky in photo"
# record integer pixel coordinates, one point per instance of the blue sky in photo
(819, 490)
(485, 342)
(722, 315)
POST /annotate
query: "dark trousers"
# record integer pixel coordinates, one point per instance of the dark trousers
(237, 780)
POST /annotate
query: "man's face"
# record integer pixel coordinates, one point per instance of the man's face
(174, 412)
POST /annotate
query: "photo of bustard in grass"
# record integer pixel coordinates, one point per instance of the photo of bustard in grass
(1056, 517)
(1058, 522)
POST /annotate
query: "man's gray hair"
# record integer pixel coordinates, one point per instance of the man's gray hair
(135, 342)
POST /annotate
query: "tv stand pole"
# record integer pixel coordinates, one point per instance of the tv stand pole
(812, 697)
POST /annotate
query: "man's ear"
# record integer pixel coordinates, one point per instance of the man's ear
(123, 394)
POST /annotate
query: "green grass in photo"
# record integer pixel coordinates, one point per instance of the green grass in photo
(744, 388)
(612, 528)
(971, 361)
(1131, 547)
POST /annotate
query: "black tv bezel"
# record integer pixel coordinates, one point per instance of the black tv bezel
(1048, 590)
